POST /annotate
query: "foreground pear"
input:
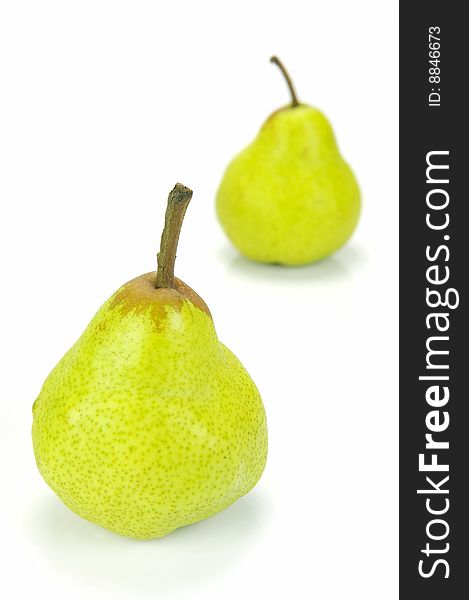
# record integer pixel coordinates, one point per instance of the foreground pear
(289, 198)
(149, 422)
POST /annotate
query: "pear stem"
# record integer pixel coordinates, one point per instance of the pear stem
(288, 79)
(178, 200)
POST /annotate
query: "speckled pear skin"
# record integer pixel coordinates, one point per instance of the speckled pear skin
(289, 197)
(148, 422)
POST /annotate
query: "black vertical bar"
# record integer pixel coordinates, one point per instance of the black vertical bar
(430, 253)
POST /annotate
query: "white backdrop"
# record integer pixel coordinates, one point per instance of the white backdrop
(104, 106)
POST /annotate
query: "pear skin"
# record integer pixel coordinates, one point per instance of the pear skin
(289, 197)
(149, 423)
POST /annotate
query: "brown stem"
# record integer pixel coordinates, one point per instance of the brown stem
(291, 87)
(178, 200)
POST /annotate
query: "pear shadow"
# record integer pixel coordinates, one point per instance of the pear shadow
(188, 558)
(339, 266)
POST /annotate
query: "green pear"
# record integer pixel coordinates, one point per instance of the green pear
(149, 422)
(289, 198)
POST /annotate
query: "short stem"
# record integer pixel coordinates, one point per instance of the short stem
(178, 200)
(291, 87)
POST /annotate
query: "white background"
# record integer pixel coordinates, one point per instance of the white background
(104, 106)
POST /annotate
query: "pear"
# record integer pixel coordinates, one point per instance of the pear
(149, 422)
(289, 197)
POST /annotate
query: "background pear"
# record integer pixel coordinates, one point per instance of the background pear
(149, 422)
(289, 197)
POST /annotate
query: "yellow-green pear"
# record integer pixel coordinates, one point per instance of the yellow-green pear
(149, 422)
(289, 198)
